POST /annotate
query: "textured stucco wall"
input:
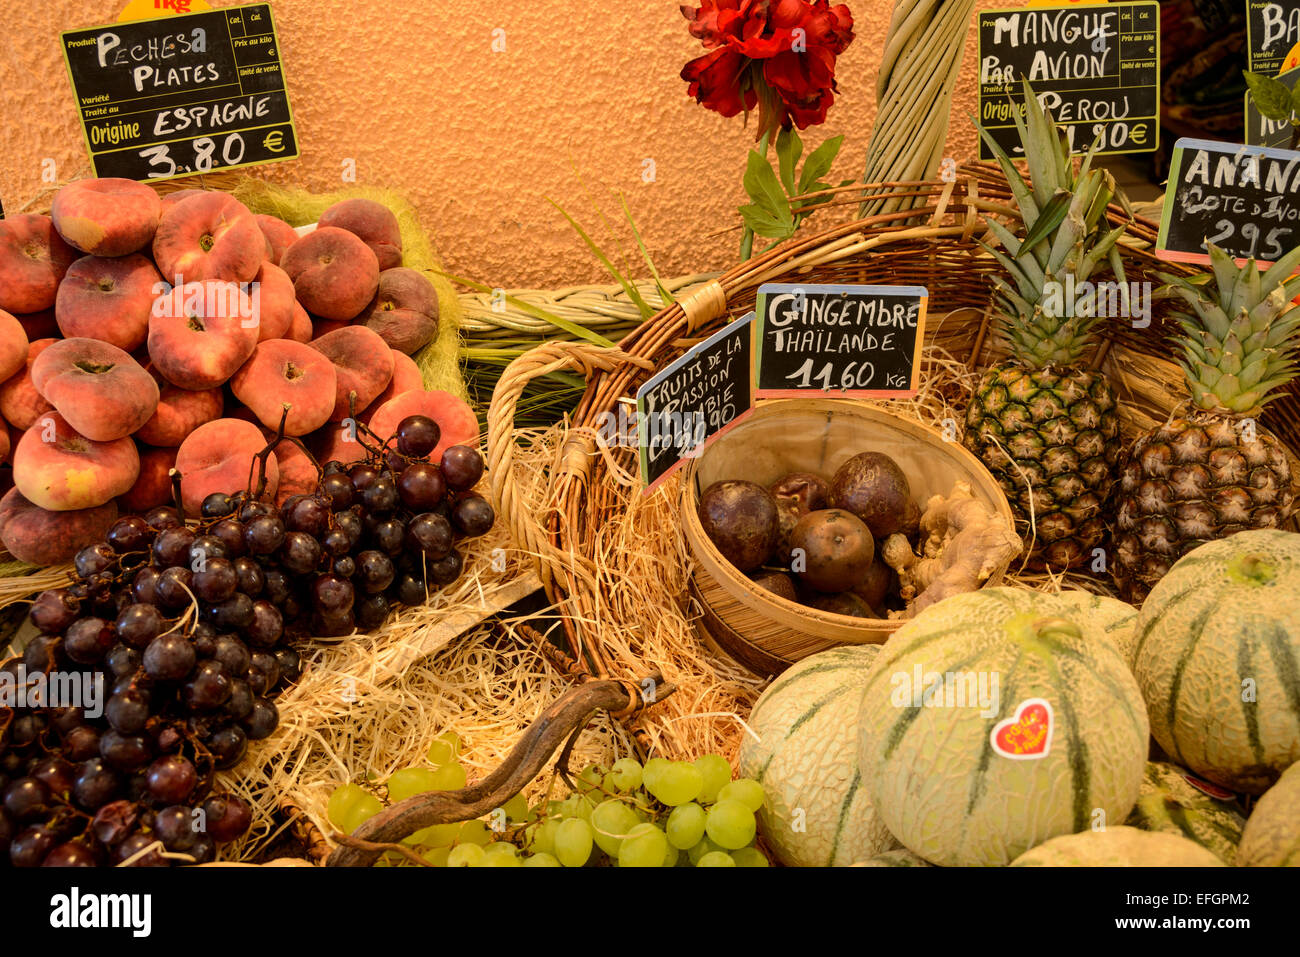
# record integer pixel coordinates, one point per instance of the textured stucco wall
(415, 94)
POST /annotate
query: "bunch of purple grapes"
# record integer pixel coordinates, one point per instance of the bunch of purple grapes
(186, 626)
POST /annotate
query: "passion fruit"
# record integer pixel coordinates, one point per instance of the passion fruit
(873, 487)
(778, 583)
(740, 518)
(833, 550)
(796, 495)
(875, 586)
(843, 603)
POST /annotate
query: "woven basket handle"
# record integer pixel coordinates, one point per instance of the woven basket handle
(506, 483)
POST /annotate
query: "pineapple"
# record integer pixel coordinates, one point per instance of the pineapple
(1216, 470)
(1043, 423)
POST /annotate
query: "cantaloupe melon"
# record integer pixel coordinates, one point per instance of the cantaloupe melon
(1057, 744)
(1118, 620)
(1174, 801)
(818, 812)
(900, 857)
(1272, 835)
(1118, 847)
(1218, 659)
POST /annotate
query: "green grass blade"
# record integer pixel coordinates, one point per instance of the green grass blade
(632, 292)
(665, 296)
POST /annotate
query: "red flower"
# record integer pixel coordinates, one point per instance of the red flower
(776, 54)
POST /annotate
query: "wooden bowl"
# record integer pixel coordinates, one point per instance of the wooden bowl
(761, 630)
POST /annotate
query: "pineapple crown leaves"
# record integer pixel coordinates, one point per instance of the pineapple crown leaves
(1065, 220)
(1241, 335)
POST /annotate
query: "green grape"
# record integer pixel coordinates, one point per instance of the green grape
(542, 838)
(676, 784)
(449, 777)
(573, 842)
(590, 779)
(350, 806)
(730, 824)
(626, 774)
(466, 855)
(437, 856)
(542, 860)
(445, 749)
(474, 832)
(501, 860)
(716, 859)
(516, 808)
(686, 825)
(650, 773)
(644, 846)
(717, 775)
(581, 807)
(749, 857)
(409, 782)
(612, 820)
(699, 850)
(501, 848)
(747, 791)
(671, 857)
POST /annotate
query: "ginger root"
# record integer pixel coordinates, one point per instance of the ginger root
(963, 544)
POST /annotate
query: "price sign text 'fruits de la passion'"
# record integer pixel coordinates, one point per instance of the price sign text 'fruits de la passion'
(688, 404)
(1244, 199)
(1096, 67)
(183, 94)
(841, 340)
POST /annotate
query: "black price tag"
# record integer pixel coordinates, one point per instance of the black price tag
(1272, 32)
(1244, 199)
(1096, 67)
(841, 340)
(688, 404)
(181, 95)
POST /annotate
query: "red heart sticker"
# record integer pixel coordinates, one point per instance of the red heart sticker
(1028, 735)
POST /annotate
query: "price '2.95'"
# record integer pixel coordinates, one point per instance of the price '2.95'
(1274, 240)
(162, 164)
(854, 376)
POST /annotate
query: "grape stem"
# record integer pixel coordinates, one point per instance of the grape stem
(564, 717)
(379, 847)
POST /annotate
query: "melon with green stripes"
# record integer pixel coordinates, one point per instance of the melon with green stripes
(996, 720)
(1272, 835)
(900, 857)
(1118, 620)
(1175, 801)
(818, 812)
(1119, 846)
(1218, 659)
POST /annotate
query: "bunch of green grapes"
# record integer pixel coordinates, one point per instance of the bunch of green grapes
(665, 814)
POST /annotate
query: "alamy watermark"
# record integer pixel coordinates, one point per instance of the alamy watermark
(683, 430)
(54, 689)
(204, 300)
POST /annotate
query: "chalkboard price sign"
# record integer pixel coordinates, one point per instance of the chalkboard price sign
(688, 404)
(842, 340)
(181, 95)
(1244, 199)
(1272, 31)
(1096, 67)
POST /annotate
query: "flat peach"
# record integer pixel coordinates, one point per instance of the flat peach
(154, 486)
(40, 537)
(273, 302)
(201, 333)
(300, 329)
(20, 403)
(334, 273)
(168, 200)
(39, 325)
(100, 390)
(58, 468)
(13, 346)
(454, 417)
(279, 234)
(283, 373)
(323, 327)
(298, 472)
(106, 217)
(180, 412)
(406, 378)
(208, 236)
(373, 223)
(218, 457)
(363, 363)
(108, 299)
(404, 311)
(33, 259)
(337, 442)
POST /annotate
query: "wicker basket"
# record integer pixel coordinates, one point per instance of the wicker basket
(767, 633)
(942, 254)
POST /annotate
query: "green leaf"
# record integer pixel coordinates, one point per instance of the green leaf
(763, 187)
(819, 162)
(1052, 216)
(664, 295)
(1270, 95)
(632, 292)
(764, 224)
(789, 147)
(558, 321)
